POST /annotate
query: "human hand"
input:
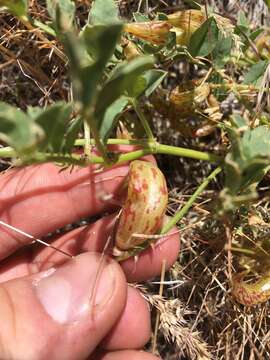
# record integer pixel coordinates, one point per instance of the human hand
(47, 305)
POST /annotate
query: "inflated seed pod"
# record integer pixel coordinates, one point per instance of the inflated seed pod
(251, 293)
(144, 207)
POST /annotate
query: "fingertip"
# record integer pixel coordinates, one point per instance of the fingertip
(124, 355)
(135, 318)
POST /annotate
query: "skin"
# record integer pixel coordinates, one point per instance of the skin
(40, 199)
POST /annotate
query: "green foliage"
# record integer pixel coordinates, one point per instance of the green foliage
(16, 7)
(109, 104)
(53, 120)
(108, 120)
(99, 42)
(255, 73)
(62, 13)
(147, 83)
(18, 130)
(103, 12)
(121, 81)
(204, 40)
(246, 163)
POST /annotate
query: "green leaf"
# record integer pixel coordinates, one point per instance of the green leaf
(255, 34)
(71, 135)
(139, 17)
(99, 42)
(103, 12)
(16, 7)
(255, 73)
(243, 22)
(239, 122)
(222, 52)
(53, 120)
(153, 79)
(111, 115)
(111, 101)
(18, 130)
(248, 159)
(62, 13)
(146, 83)
(256, 143)
(204, 39)
(120, 82)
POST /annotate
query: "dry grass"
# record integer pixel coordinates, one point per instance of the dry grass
(198, 317)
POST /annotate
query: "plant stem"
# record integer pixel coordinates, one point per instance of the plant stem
(182, 212)
(89, 119)
(142, 142)
(148, 148)
(193, 154)
(143, 119)
(87, 139)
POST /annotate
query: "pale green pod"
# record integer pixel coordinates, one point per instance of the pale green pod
(145, 205)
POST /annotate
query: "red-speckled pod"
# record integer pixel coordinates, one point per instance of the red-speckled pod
(144, 207)
(253, 293)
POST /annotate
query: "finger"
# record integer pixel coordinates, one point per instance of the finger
(124, 355)
(40, 199)
(94, 237)
(38, 258)
(56, 314)
(148, 263)
(136, 319)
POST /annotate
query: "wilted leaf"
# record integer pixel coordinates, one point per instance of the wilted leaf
(18, 130)
(103, 12)
(204, 39)
(16, 7)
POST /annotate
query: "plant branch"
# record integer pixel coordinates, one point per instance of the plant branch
(182, 212)
(143, 119)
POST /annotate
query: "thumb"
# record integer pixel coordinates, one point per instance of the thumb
(56, 314)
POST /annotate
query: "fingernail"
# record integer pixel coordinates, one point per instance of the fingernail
(80, 287)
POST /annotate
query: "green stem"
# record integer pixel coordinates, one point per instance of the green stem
(189, 153)
(89, 119)
(143, 119)
(182, 212)
(242, 251)
(141, 142)
(87, 139)
(148, 148)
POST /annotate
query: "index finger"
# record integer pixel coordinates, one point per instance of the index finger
(39, 199)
